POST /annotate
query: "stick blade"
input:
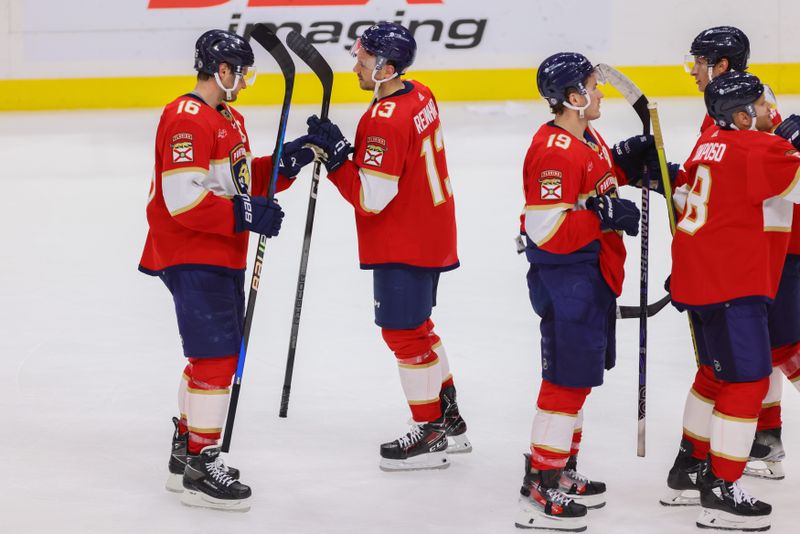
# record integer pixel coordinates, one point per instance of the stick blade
(629, 90)
(267, 39)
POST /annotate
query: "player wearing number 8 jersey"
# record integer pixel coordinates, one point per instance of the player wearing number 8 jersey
(397, 181)
(741, 186)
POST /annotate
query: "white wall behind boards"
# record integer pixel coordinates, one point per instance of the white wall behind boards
(101, 38)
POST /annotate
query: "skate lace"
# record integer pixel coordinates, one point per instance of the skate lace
(740, 495)
(577, 477)
(558, 497)
(219, 472)
(412, 437)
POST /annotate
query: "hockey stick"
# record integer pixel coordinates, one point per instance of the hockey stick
(311, 57)
(267, 39)
(630, 312)
(638, 101)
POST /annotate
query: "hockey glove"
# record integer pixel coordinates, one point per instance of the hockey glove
(654, 175)
(299, 153)
(632, 154)
(615, 213)
(336, 147)
(257, 214)
(789, 129)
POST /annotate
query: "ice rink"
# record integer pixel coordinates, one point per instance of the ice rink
(91, 356)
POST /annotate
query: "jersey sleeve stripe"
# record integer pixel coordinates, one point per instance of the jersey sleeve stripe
(187, 170)
(188, 207)
(377, 190)
(792, 193)
(541, 225)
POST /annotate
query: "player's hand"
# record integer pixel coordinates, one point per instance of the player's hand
(653, 175)
(257, 214)
(335, 145)
(633, 153)
(615, 213)
(789, 129)
(298, 153)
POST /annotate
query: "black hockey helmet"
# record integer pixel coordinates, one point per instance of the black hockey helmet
(722, 42)
(561, 72)
(220, 46)
(732, 92)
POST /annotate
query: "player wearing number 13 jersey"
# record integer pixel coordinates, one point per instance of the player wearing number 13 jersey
(398, 184)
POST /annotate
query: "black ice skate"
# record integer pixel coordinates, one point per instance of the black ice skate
(423, 447)
(590, 493)
(684, 478)
(177, 461)
(207, 484)
(455, 426)
(727, 506)
(544, 506)
(766, 455)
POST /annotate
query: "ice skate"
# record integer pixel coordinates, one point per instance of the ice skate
(544, 506)
(177, 461)
(766, 455)
(590, 493)
(207, 484)
(684, 478)
(727, 506)
(455, 426)
(423, 447)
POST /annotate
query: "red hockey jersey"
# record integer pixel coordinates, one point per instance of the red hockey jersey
(202, 159)
(399, 186)
(741, 185)
(560, 173)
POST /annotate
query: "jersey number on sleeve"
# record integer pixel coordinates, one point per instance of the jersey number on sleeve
(189, 106)
(434, 179)
(560, 140)
(696, 211)
(383, 109)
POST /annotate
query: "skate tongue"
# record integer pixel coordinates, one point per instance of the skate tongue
(212, 451)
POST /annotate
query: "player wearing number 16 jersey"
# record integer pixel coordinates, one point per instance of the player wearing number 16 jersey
(398, 184)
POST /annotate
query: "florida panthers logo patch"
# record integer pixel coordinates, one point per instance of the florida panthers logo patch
(550, 185)
(239, 169)
(182, 148)
(373, 154)
(607, 184)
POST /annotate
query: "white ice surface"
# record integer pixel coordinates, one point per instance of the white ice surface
(91, 356)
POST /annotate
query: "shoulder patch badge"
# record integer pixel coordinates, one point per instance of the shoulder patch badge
(550, 185)
(373, 154)
(182, 148)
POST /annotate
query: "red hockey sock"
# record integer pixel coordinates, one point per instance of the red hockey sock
(733, 425)
(554, 425)
(697, 411)
(207, 401)
(420, 370)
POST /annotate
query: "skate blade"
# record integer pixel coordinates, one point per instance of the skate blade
(719, 520)
(681, 498)
(174, 483)
(764, 469)
(198, 499)
(431, 460)
(536, 520)
(458, 444)
(592, 502)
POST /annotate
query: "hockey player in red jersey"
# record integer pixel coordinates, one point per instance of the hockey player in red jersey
(713, 52)
(573, 224)
(206, 195)
(741, 183)
(398, 183)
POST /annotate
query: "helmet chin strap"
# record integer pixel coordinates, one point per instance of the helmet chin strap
(580, 109)
(228, 92)
(378, 67)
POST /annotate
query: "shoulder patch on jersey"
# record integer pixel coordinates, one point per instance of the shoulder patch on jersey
(239, 169)
(550, 184)
(181, 136)
(182, 151)
(606, 184)
(373, 154)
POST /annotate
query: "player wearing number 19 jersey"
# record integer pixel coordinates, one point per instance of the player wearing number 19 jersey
(398, 184)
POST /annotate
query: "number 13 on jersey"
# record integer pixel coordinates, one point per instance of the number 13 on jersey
(430, 148)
